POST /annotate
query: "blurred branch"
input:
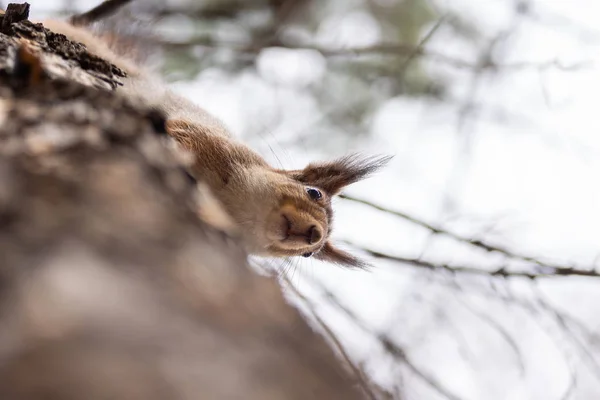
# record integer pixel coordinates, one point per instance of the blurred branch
(105, 9)
(562, 23)
(387, 49)
(550, 269)
(533, 307)
(538, 308)
(281, 9)
(421, 45)
(399, 353)
(563, 322)
(360, 376)
(392, 348)
(283, 12)
(572, 385)
(220, 10)
(391, 49)
(485, 317)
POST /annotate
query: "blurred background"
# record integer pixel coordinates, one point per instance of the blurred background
(483, 232)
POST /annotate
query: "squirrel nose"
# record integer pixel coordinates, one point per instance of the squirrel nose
(314, 235)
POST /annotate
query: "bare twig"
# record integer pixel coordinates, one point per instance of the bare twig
(551, 272)
(389, 49)
(360, 376)
(489, 320)
(393, 49)
(421, 45)
(397, 352)
(209, 10)
(391, 347)
(548, 268)
(563, 322)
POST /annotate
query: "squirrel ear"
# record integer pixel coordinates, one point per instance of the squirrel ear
(334, 175)
(332, 254)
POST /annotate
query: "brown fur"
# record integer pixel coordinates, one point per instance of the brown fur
(274, 214)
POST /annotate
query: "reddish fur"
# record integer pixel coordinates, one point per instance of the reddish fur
(271, 207)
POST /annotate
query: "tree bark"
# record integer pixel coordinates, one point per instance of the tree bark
(110, 285)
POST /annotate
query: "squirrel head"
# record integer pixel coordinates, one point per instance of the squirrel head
(279, 213)
(288, 213)
(305, 214)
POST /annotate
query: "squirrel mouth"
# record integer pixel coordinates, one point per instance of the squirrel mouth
(286, 227)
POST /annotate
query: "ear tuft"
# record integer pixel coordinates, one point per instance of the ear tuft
(332, 254)
(334, 175)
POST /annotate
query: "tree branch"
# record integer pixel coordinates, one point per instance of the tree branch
(391, 347)
(105, 9)
(358, 373)
(389, 49)
(499, 272)
(550, 269)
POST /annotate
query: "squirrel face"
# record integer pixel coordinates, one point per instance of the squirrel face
(299, 223)
(284, 213)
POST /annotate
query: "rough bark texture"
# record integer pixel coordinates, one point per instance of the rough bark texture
(110, 286)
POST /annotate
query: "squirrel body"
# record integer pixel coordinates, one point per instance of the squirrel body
(278, 213)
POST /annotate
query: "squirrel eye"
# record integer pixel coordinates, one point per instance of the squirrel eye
(314, 194)
(306, 255)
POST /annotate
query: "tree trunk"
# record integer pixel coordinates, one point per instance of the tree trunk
(111, 287)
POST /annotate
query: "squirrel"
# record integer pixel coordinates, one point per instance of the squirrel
(278, 213)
